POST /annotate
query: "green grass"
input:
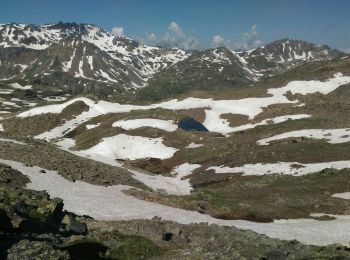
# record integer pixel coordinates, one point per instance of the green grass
(276, 196)
(124, 247)
(134, 247)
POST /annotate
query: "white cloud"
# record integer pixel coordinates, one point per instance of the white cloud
(219, 41)
(175, 28)
(250, 40)
(118, 31)
(173, 37)
(151, 37)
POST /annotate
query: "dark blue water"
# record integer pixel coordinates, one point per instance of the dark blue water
(189, 124)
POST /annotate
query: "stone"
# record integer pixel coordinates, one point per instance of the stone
(26, 249)
(74, 225)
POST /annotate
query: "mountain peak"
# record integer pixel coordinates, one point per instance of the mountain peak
(88, 54)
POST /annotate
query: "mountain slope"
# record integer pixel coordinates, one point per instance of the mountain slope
(82, 58)
(82, 51)
(223, 68)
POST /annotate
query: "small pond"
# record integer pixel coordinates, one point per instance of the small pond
(189, 124)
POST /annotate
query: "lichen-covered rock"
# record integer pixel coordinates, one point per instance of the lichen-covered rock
(26, 249)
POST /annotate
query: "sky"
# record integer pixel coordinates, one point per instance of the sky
(192, 24)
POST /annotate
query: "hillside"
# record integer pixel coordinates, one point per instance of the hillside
(76, 59)
(125, 151)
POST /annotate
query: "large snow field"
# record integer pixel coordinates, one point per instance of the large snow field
(283, 168)
(171, 185)
(124, 146)
(250, 107)
(166, 125)
(110, 203)
(333, 136)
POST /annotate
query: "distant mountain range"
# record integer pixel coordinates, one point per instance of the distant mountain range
(83, 58)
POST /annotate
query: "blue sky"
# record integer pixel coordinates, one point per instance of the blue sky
(195, 23)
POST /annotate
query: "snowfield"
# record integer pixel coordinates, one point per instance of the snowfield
(344, 195)
(166, 125)
(18, 86)
(110, 203)
(333, 136)
(131, 147)
(170, 185)
(184, 169)
(54, 109)
(283, 168)
(250, 107)
(92, 126)
(274, 120)
(312, 86)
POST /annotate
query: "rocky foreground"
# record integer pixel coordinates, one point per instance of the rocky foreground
(35, 226)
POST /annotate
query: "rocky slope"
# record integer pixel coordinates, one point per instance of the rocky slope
(33, 225)
(79, 54)
(223, 68)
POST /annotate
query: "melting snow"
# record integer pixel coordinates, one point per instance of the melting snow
(214, 108)
(110, 203)
(92, 126)
(332, 136)
(55, 109)
(131, 147)
(166, 125)
(275, 120)
(194, 145)
(344, 195)
(18, 86)
(184, 169)
(11, 141)
(284, 168)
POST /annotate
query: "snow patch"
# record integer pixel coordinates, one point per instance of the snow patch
(283, 168)
(92, 126)
(193, 145)
(166, 125)
(333, 136)
(214, 108)
(184, 170)
(11, 141)
(344, 195)
(19, 86)
(131, 147)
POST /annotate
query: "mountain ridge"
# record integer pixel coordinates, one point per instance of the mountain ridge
(89, 59)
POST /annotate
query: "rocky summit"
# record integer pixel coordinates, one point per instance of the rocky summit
(114, 149)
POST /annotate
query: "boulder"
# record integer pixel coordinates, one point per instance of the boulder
(74, 225)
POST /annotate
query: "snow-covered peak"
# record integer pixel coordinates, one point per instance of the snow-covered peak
(119, 59)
